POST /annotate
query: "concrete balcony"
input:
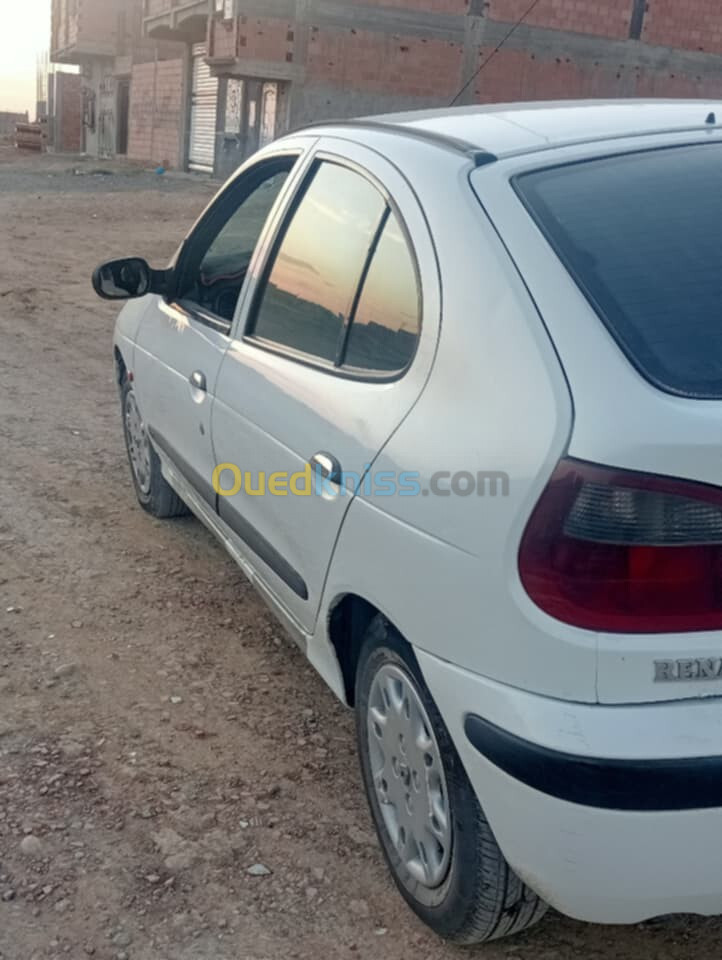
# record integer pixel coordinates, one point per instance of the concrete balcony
(81, 50)
(183, 20)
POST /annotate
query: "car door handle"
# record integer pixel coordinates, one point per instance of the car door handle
(198, 380)
(327, 466)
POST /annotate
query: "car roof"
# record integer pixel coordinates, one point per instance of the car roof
(499, 130)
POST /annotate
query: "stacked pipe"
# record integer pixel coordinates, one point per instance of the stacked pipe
(31, 136)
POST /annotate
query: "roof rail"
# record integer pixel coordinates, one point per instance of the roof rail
(479, 157)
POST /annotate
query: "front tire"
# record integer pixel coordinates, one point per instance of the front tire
(436, 840)
(154, 493)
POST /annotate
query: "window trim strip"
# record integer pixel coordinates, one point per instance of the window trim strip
(373, 247)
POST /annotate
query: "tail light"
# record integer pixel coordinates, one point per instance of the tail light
(615, 550)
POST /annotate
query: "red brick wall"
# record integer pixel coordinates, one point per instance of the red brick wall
(696, 24)
(606, 18)
(154, 124)
(253, 38)
(223, 39)
(265, 39)
(388, 63)
(521, 75)
(68, 110)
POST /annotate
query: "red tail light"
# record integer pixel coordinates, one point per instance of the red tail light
(608, 549)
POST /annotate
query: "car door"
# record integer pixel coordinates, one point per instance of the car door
(334, 342)
(181, 343)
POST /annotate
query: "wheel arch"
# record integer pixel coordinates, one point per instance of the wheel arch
(349, 618)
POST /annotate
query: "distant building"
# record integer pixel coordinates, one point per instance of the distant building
(105, 39)
(238, 73)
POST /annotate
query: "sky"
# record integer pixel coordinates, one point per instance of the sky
(24, 32)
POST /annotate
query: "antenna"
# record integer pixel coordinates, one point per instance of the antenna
(494, 52)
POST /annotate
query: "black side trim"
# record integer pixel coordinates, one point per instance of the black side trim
(642, 785)
(246, 531)
(203, 486)
(262, 548)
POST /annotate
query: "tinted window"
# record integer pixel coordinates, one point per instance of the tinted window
(386, 323)
(314, 278)
(237, 240)
(642, 235)
(221, 250)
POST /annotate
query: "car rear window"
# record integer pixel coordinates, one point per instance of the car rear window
(642, 236)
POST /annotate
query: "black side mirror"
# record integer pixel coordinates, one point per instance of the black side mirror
(128, 279)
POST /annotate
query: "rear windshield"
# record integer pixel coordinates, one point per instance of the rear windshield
(642, 236)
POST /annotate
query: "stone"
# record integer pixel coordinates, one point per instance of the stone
(121, 938)
(31, 847)
(66, 669)
(363, 838)
(359, 908)
(258, 870)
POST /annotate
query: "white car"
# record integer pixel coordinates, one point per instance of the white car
(448, 387)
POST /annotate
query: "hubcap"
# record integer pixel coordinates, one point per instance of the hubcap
(408, 776)
(138, 444)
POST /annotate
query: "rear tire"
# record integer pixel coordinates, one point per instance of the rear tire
(154, 493)
(467, 893)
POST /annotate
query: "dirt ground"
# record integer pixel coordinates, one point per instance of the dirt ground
(158, 735)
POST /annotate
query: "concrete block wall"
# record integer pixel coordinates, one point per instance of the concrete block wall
(63, 24)
(156, 113)
(94, 24)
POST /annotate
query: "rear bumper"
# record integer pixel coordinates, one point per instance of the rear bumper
(612, 814)
(674, 784)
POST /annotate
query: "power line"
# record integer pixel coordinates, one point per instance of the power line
(494, 52)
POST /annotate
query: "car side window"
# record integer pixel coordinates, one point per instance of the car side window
(310, 292)
(342, 286)
(385, 327)
(215, 263)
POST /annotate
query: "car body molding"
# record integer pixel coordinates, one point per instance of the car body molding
(240, 526)
(689, 783)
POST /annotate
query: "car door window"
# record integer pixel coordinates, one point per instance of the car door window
(311, 289)
(218, 255)
(385, 327)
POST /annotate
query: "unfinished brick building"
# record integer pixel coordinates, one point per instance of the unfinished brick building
(105, 39)
(251, 69)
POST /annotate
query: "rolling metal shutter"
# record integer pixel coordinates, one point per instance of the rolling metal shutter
(204, 104)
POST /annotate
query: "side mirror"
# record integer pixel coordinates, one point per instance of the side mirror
(128, 279)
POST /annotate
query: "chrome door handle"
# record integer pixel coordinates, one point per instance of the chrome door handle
(198, 380)
(327, 466)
